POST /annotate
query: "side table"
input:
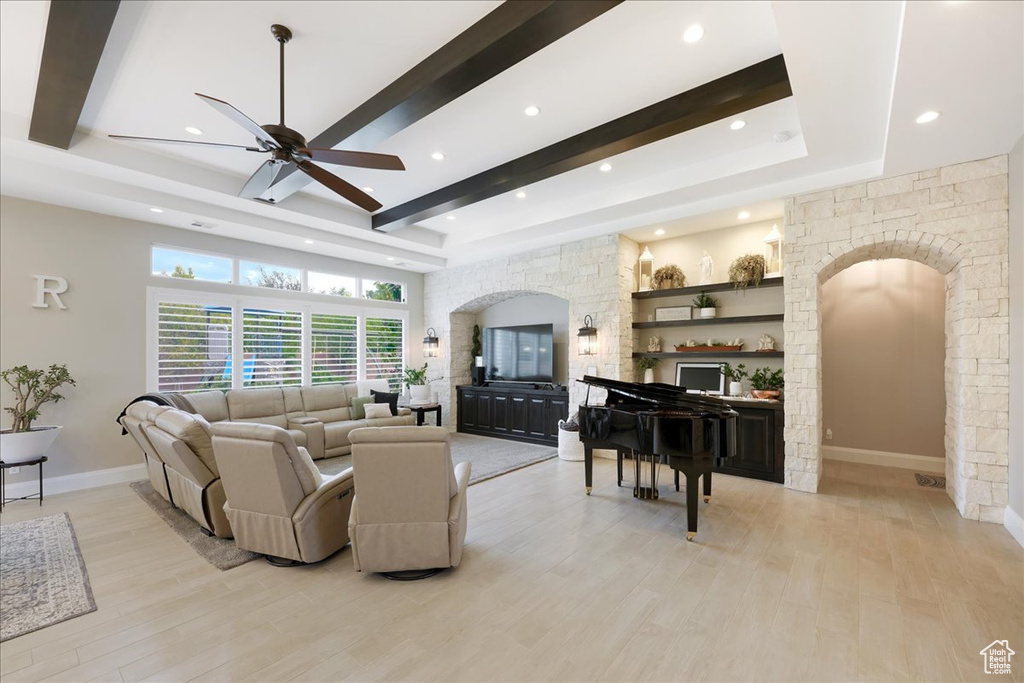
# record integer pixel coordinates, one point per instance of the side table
(421, 411)
(4, 466)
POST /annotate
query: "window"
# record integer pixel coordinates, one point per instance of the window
(383, 291)
(274, 277)
(325, 283)
(385, 342)
(272, 347)
(193, 347)
(191, 265)
(335, 348)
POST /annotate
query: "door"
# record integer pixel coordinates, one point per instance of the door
(538, 417)
(485, 411)
(468, 408)
(500, 414)
(520, 420)
(558, 409)
(755, 436)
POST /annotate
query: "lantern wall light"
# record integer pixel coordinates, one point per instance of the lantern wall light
(430, 344)
(588, 337)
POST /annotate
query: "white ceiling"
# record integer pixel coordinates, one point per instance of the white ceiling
(861, 72)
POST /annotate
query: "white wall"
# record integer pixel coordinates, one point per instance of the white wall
(102, 334)
(1016, 471)
(537, 309)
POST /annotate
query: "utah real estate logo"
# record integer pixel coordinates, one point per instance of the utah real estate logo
(997, 657)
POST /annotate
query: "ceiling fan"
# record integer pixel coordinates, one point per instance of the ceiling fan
(287, 146)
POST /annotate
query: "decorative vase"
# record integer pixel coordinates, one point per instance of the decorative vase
(648, 375)
(25, 446)
(735, 388)
(765, 393)
(419, 394)
(708, 312)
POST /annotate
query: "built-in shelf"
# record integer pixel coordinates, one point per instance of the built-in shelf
(774, 317)
(715, 354)
(697, 289)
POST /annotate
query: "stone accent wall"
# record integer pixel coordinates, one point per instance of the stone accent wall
(954, 219)
(594, 275)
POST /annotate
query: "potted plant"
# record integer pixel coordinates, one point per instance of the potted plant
(647, 364)
(416, 380)
(669, 277)
(747, 270)
(707, 305)
(735, 376)
(766, 383)
(477, 350)
(32, 388)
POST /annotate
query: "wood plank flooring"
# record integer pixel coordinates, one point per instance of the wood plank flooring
(874, 578)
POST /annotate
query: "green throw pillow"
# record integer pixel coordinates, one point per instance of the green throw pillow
(358, 405)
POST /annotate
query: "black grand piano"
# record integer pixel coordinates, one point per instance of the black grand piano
(659, 423)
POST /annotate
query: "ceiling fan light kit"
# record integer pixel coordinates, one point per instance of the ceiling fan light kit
(287, 146)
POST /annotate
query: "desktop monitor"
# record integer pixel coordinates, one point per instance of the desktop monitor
(701, 378)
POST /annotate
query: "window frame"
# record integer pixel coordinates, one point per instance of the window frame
(198, 252)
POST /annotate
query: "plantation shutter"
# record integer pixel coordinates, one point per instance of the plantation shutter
(335, 348)
(385, 339)
(193, 347)
(272, 347)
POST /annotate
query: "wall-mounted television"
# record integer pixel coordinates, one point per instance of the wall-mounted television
(701, 378)
(523, 353)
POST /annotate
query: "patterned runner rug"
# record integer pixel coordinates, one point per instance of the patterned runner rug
(43, 580)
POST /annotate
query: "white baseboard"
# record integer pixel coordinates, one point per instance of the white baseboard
(1014, 524)
(77, 482)
(885, 459)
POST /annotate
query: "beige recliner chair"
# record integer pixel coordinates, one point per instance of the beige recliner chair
(136, 416)
(410, 507)
(278, 502)
(182, 440)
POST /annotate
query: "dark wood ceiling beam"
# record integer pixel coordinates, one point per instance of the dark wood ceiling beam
(506, 36)
(76, 33)
(735, 93)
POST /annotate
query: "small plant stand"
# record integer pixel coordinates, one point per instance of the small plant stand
(4, 466)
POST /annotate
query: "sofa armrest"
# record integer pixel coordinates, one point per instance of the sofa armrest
(314, 431)
(338, 486)
(404, 411)
(457, 514)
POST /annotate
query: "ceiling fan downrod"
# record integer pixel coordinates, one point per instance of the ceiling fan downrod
(283, 34)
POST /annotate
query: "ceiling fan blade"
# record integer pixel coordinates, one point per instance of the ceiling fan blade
(385, 162)
(241, 119)
(219, 145)
(333, 182)
(260, 181)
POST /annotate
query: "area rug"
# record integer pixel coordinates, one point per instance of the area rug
(43, 580)
(490, 457)
(222, 553)
(933, 481)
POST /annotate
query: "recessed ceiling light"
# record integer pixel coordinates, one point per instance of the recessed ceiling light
(193, 130)
(737, 124)
(693, 33)
(659, 232)
(531, 110)
(155, 209)
(605, 167)
(437, 156)
(368, 190)
(451, 217)
(308, 241)
(520, 195)
(391, 258)
(743, 215)
(927, 117)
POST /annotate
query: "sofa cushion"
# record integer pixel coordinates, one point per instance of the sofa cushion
(385, 397)
(194, 430)
(336, 433)
(327, 402)
(212, 405)
(375, 411)
(358, 406)
(262, 406)
(399, 421)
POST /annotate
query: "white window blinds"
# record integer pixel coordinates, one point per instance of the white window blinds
(272, 347)
(385, 341)
(335, 340)
(193, 347)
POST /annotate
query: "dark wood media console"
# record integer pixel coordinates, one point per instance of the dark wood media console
(760, 449)
(516, 413)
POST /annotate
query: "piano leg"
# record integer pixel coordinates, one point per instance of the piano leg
(588, 467)
(619, 455)
(707, 487)
(676, 472)
(692, 480)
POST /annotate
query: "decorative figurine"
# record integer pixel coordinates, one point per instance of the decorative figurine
(707, 269)
(766, 343)
(654, 345)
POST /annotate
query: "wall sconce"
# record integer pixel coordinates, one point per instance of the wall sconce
(645, 271)
(773, 252)
(430, 344)
(588, 337)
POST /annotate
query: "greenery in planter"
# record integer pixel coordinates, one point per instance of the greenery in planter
(669, 277)
(747, 270)
(645, 363)
(734, 374)
(478, 347)
(33, 388)
(705, 300)
(414, 376)
(765, 379)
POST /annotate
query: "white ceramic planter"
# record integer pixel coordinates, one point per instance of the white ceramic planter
(648, 375)
(419, 394)
(708, 312)
(25, 446)
(735, 388)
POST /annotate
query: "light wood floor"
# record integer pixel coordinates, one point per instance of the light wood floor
(873, 579)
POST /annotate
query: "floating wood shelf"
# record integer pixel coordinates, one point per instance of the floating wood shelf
(716, 354)
(717, 287)
(774, 317)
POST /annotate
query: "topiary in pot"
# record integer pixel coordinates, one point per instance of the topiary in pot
(32, 389)
(767, 383)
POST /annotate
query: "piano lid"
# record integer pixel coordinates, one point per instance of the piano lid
(658, 394)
